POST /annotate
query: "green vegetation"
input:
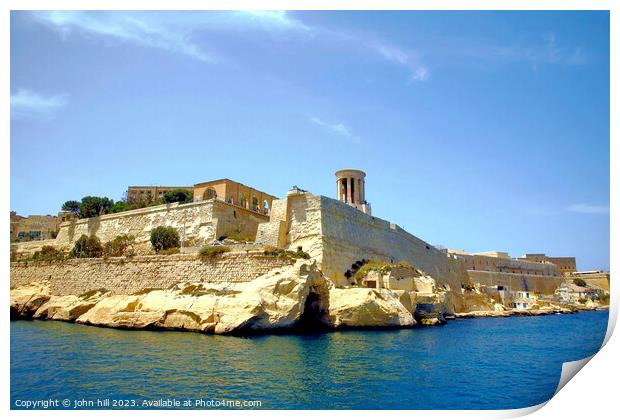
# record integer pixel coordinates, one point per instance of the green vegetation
(209, 251)
(579, 282)
(164, 237)
(372, 265)
(71, 206)
(583, 301)
(278, 252)
(236, 235)
(169, 251)
(48, 253)
(603, 298)
(90, 206)
(119, 246)
(404, 264)
(87, 247)
(180, 195)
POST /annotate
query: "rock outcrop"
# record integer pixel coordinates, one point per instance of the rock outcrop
(273, 301)
(363, 307)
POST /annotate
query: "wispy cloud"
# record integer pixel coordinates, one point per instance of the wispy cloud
(339, 129)
(139, 28)
(418, 71)
(177, 32)
(271, 20)
(588, 209)
(546, 51)
(28, 104)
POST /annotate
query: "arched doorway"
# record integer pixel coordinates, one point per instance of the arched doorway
(209, 194)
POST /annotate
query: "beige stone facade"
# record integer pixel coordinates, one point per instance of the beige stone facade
(235, 193)
(149, 193)
(199, 222)
(33, 227)
(565, 265)
(501, 262)
(339, 235)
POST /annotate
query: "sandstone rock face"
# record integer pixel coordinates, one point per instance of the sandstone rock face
(362, 307)
(69, 308)
(273, 301)
(25, 301)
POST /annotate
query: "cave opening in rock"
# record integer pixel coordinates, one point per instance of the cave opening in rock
(314, 315)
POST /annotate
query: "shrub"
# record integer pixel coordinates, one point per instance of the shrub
(209, 251)
(169, 251)
(404, 264)
(579, 282)
(119, 246)
(87, 247)
(164, 237)
(372, 265)
(583, 301)
(236, 235)
(279, 252)
(48, 253)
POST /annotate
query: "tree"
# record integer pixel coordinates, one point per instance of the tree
(95, 206)
(164, 237)
(87, 247)
(119, 246)
(71, 206)
(179, 195)
(119, 206)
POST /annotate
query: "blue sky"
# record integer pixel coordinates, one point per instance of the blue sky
(477, 130)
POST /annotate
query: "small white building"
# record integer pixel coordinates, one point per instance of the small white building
(523, 299)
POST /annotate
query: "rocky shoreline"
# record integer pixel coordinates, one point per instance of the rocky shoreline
(293, 298)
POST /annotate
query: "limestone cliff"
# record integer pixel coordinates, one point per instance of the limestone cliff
(293, 296)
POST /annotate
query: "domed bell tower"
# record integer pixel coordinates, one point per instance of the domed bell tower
(350, 186)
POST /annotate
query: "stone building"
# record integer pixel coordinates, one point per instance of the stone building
(235, 193)
(33, 227)
(565, 265)
(149, 193)
(497, 268)
(222, 189)
(501, 262)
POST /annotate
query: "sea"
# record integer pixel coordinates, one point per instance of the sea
(481, 363)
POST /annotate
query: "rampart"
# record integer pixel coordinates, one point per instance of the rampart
(338, 235)
(200, 222)
(130, 275)
(538, 284)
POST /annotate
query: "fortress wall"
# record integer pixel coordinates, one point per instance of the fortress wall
(337, 235)
(201, 222)
(349, 235)
(539, 284)
(304, 223)
(130, 275)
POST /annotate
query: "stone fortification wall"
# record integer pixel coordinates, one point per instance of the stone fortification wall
(337, 235)
(538, 284)
(130, 275)
(349, 235)
(201, 222)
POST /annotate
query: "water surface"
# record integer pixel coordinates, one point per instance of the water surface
(486, 363)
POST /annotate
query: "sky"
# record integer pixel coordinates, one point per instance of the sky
(477, 130)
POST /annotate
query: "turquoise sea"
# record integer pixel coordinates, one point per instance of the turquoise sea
(487, 363)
